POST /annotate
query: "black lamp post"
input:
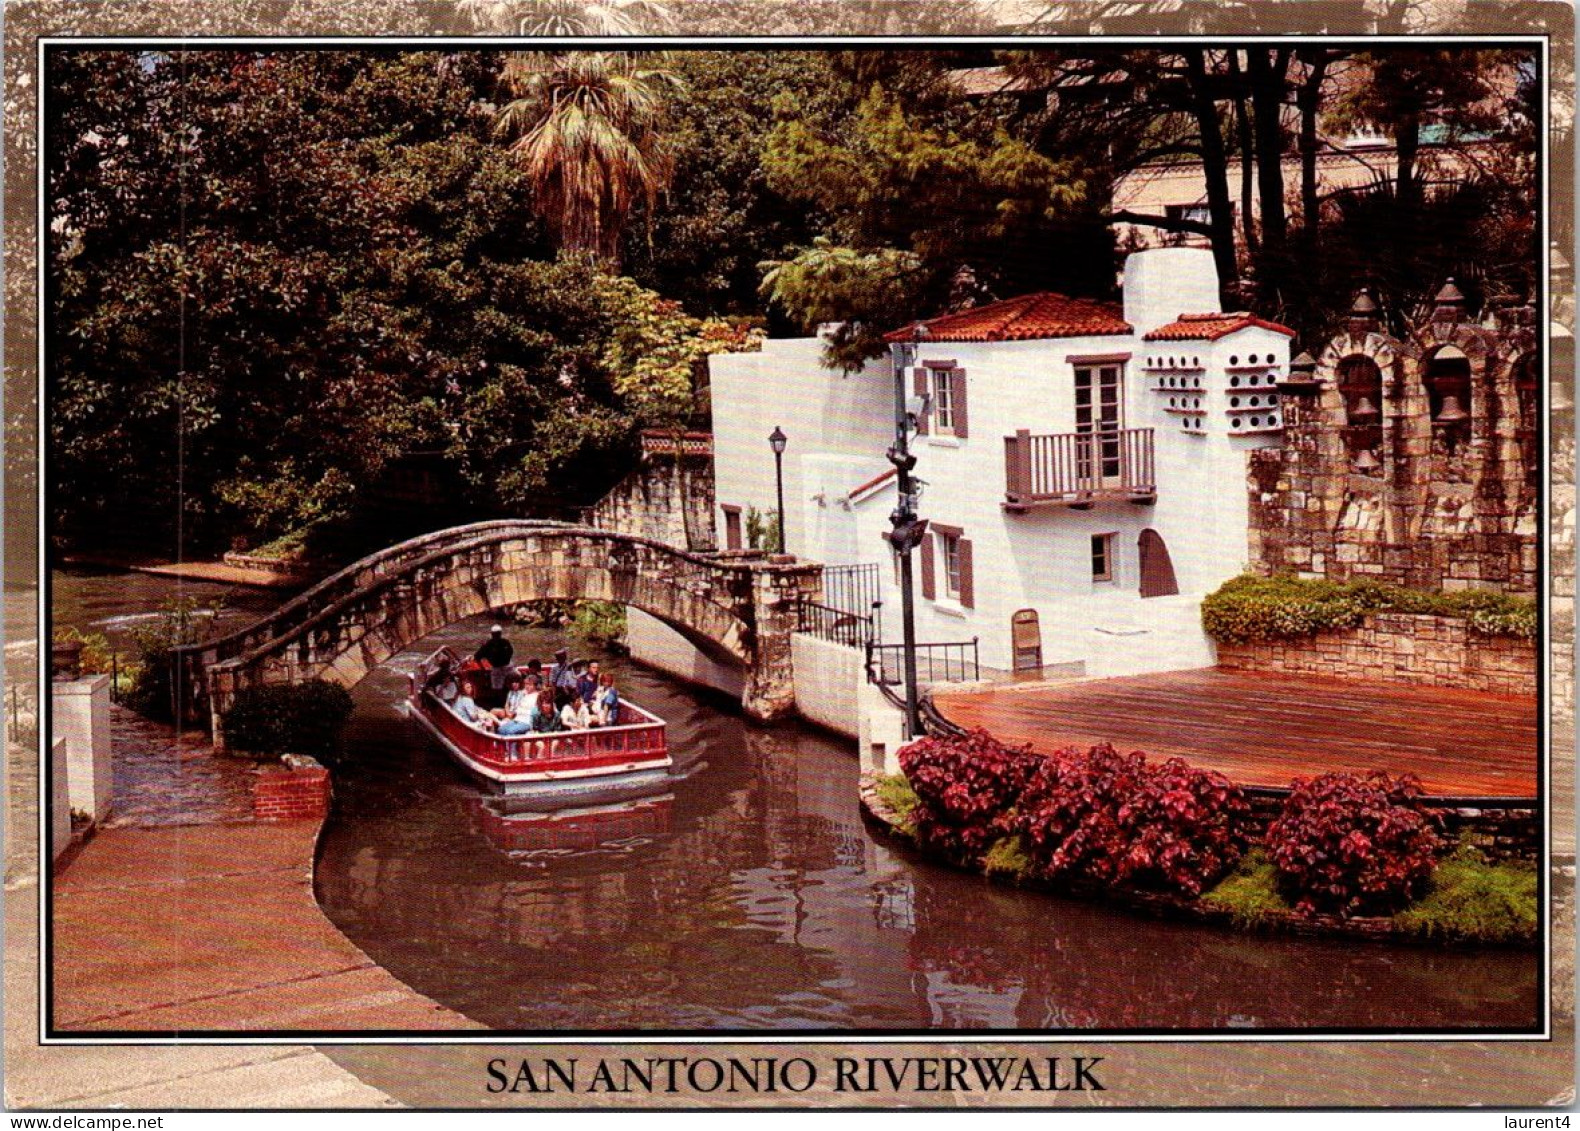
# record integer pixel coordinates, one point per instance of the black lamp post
(908, 531)
(777, 441)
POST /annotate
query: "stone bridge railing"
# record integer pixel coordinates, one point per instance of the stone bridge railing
(358, 618)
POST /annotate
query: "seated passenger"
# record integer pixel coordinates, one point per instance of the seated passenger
(545, 719)
(512, 700)
(467, 708)
(587, 683)
(606, 704)
(575, 715)
(521, 721)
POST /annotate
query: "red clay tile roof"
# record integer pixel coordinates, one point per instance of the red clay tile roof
(1040, 315)
(875, 482)
(1210, 327)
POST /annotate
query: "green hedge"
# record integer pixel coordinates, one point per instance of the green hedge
(1281, 607)
(304, 718)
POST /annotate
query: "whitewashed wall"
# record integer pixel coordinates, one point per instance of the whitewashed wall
(1040, 559)
(838, 426)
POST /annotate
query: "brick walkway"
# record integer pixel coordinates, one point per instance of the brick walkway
(214, 928)
(184, 913)
(1266, 730)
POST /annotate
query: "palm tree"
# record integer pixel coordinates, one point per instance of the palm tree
(569, 17)
(586, 131)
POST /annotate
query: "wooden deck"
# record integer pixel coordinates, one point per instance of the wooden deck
(1266, 730)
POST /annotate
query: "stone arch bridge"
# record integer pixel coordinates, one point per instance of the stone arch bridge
(740, 608)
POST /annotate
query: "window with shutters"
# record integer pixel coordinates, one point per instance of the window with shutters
(951, 555)
(944, 385)
(946, 567)
(943, 400)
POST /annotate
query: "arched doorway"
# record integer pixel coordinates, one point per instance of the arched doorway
(1157, 570)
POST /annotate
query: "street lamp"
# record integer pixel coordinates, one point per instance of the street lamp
(908, 530)
(777, 441)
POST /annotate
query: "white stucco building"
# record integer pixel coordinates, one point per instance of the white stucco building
(1084, 465)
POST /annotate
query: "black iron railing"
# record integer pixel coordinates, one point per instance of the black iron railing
(854, 630)
(853, 588)
(948, 662)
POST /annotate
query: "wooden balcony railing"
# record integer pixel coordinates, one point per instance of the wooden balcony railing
(1076, 469)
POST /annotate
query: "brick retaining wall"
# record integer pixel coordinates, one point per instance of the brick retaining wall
(1404, 648)
(296, 790)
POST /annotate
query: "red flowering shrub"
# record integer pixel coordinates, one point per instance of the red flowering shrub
(965, 786)
(1353, 846)
(1118, 820)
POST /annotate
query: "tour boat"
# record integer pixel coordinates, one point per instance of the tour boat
(628, 758)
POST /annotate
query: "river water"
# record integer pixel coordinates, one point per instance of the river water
(754, 897)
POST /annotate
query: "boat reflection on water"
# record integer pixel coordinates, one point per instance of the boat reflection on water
(520, 831)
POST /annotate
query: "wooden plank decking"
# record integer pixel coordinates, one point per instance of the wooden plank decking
(1265, 730)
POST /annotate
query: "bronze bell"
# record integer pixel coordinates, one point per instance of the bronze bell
(1451, 413)
(1366, 463)
(1365, 411)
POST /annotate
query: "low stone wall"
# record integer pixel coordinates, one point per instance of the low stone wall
(285, 567)
(828, 682)
(298, 789)
(1405, 648)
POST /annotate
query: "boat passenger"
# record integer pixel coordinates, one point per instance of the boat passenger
(606, 704)
(545, 719)
(535, 669)
(564, 673)
(520, 722)
(495, 652)
(467, 708)
(575, 715)
(513, 700)
(587, 683)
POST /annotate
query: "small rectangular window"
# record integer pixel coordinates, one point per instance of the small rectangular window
(1102, 557)
(942, 382)
(950, 544)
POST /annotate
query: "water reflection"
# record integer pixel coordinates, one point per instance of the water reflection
(753, 897)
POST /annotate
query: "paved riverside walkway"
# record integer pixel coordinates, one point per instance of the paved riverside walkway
(215, 928)
(195, 926)
(1265, 730)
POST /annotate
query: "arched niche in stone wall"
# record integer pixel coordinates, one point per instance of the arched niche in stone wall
(1358, 376)
(1454, 373)
(1359, 380)
(1446, 376)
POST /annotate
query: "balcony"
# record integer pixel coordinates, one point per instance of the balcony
(1077, 469)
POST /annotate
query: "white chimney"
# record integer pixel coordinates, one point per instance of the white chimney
(1161, 283)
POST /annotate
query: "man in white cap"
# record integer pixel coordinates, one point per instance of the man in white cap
(496, 653)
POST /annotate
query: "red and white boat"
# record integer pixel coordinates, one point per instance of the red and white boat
(628, 758)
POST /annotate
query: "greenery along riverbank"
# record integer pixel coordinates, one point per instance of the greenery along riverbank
(1344, 856)
(1252, 607)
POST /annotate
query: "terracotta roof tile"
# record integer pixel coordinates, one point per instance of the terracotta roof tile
(872, 484)
(1210, 327)
(1040, 315)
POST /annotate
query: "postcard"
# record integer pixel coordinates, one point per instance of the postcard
(690, 555)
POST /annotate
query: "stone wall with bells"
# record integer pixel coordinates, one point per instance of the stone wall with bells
(1415, 460)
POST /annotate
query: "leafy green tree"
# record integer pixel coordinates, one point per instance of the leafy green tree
(281, 275)
(719, 218)
(911, 207)
(585, 129)
(568, 17)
